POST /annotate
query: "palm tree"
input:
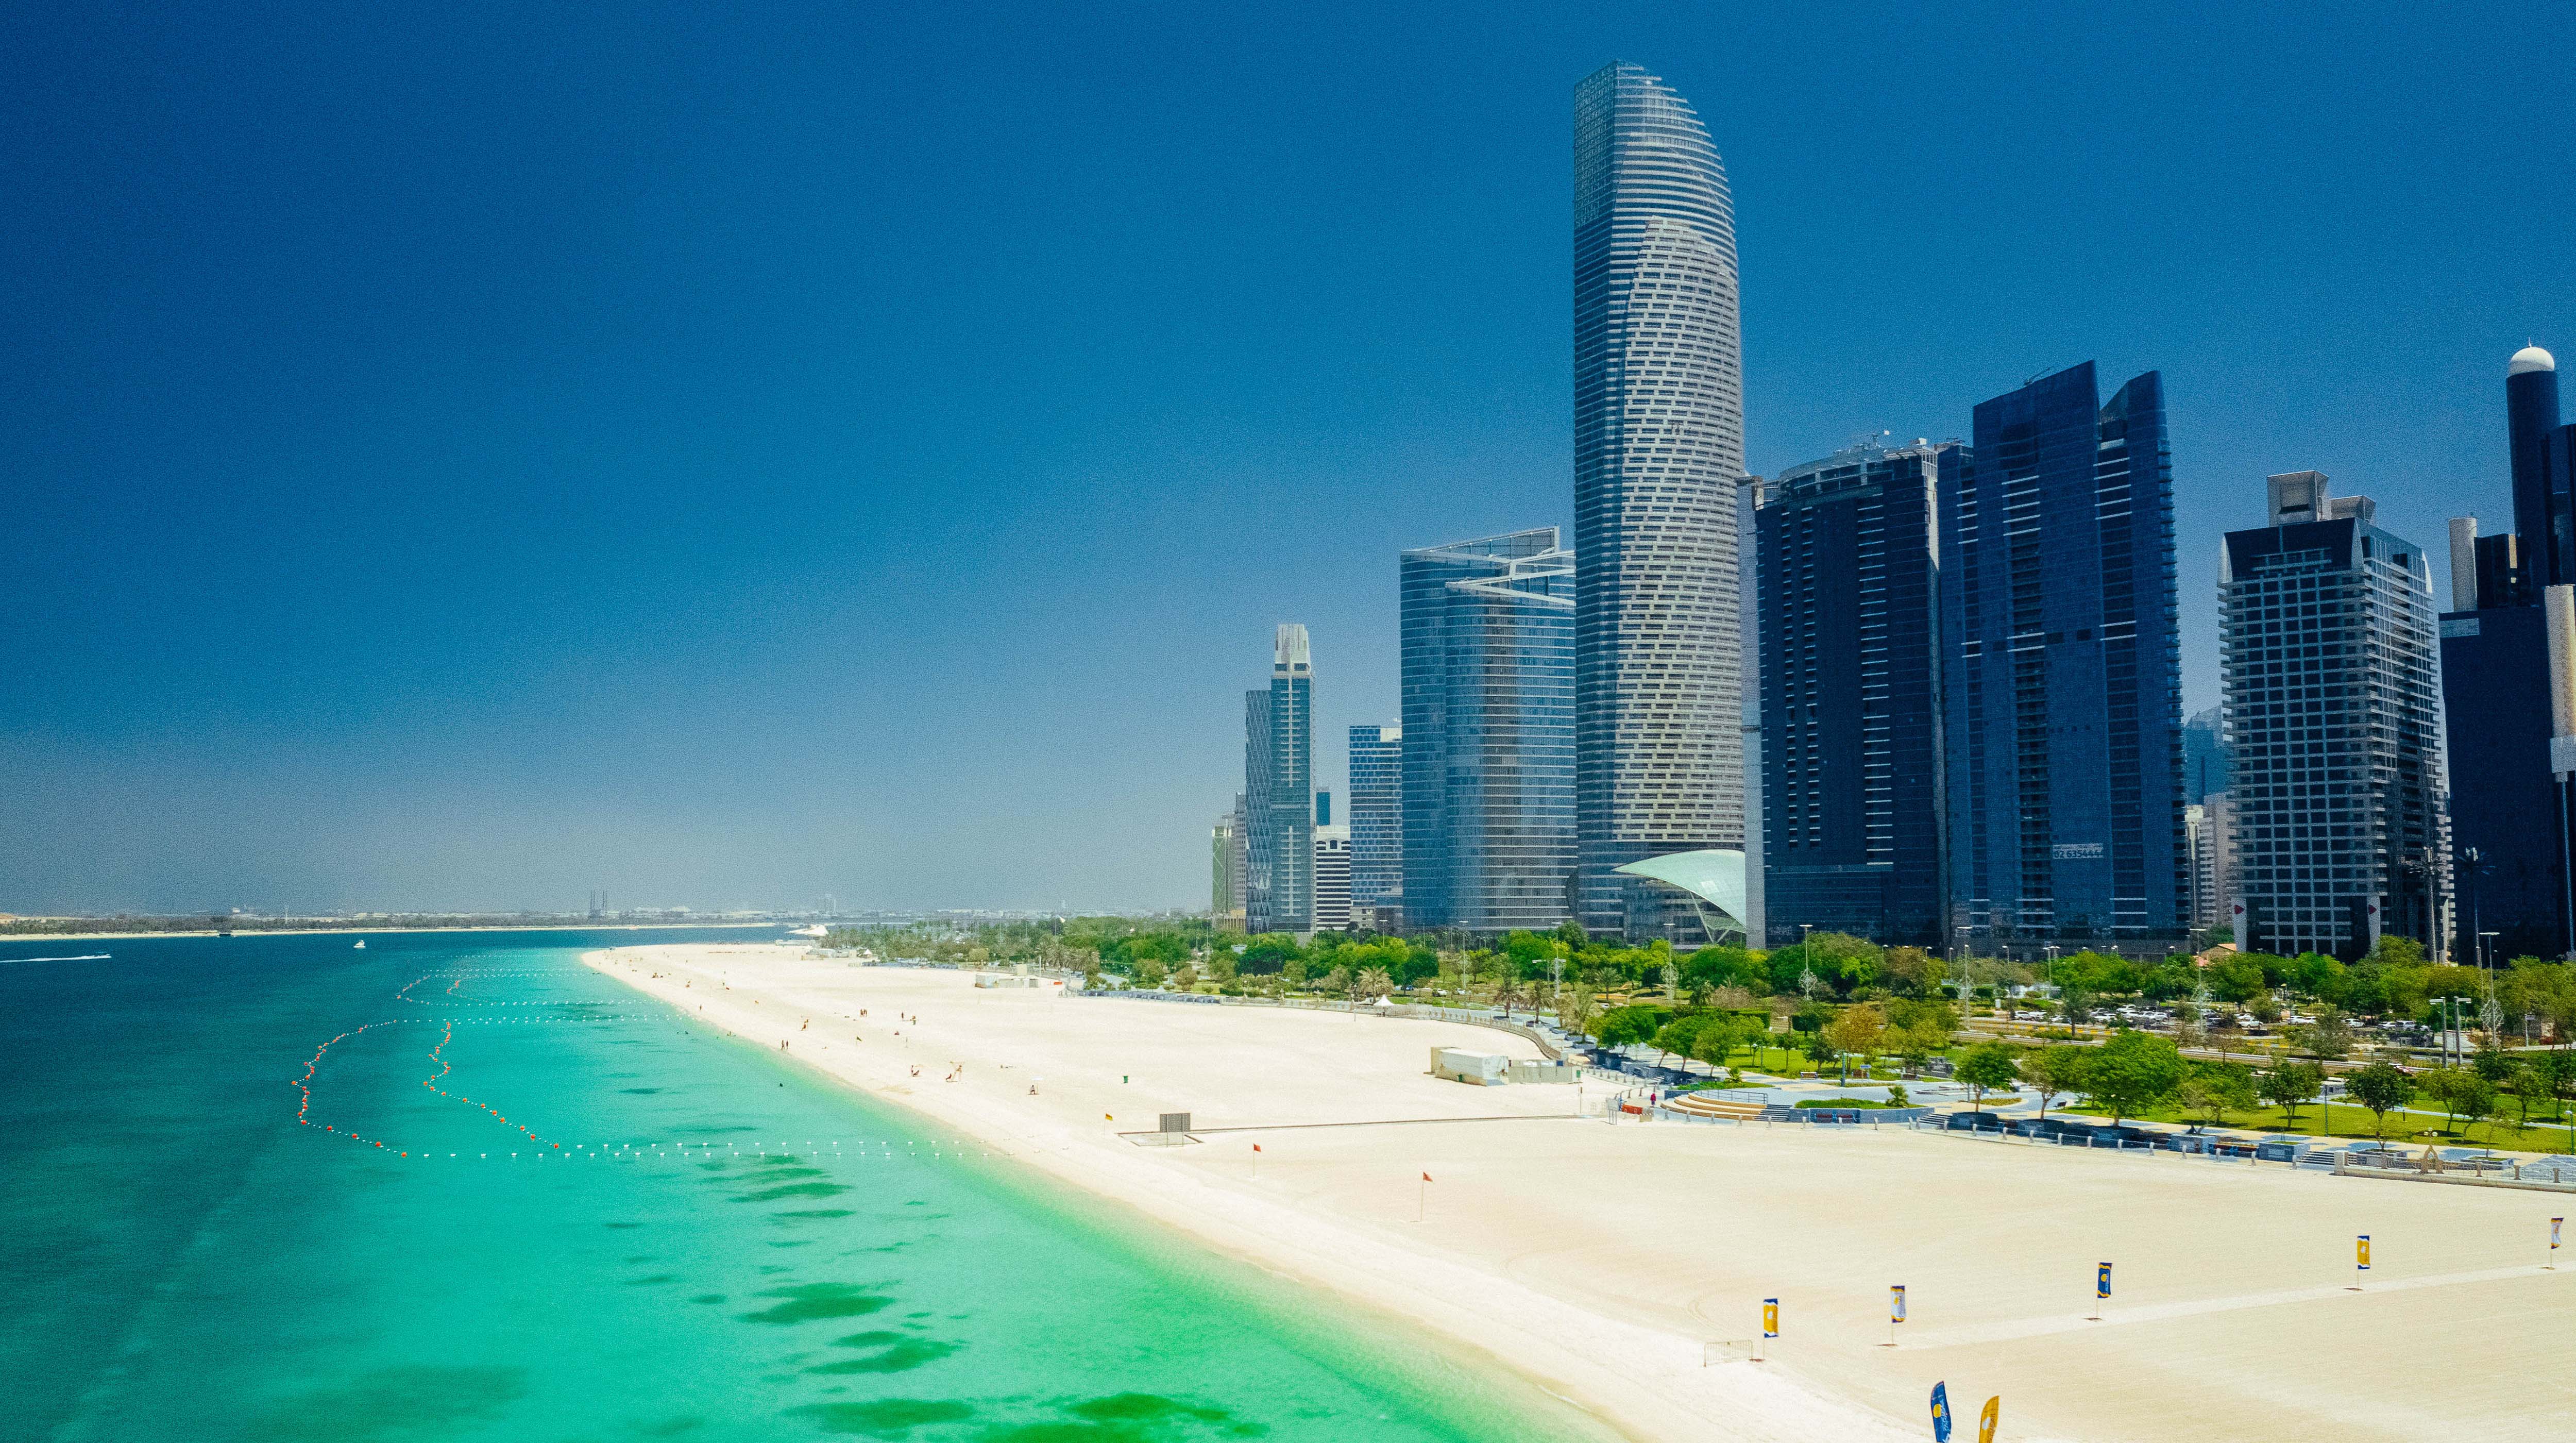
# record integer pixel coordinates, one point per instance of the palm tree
(1371, 982)
(1507, 993)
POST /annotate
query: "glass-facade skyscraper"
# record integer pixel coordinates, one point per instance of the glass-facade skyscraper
(1658, 453)
(1279, 790)
(2063, 671)
(1850, 667)
(1377, 820)
(2510, 807)
(2334, 723)
(1488, 732)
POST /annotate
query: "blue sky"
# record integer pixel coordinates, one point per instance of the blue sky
(469, 456)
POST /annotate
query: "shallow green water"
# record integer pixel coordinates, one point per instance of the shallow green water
(719, 1249)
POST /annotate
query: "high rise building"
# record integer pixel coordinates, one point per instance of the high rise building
(1658, 454)
(2509, 811)
(2334, 717)
(1332, 878)
(1488, 732)
(1221, 883)
(1377, 821)
(2215, 860)
(2061, 671)
(1241, 857)
(1279, 786)
(2204, 757)
(1850, 666)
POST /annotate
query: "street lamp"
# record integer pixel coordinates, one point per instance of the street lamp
(2486, 950)
(2451, 1037)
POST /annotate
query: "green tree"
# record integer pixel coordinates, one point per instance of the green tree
(2287, 1084)
(2329, 1038)
(1860, 1029)
(2132, 1072)
(2381, 1088)
(1626, 1026)
(2215, 1088)
(1371, 982)
(2054, 1071)
(1675, 1037)
(2479, 1102)
(2530, 1084)
(1988, 1066)
(2447, 1086)
(1716, 1040)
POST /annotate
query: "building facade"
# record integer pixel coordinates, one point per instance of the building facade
(2333, 701)
(2508, 812)
(1332, 878)
(2204, 755)
(2063, 672)
(1850, 665)
(1488, 732)
(1377, 822)
(1658, 453)
(1221, 883)
(1279, 788)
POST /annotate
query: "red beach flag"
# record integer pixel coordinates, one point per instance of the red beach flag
(1256, 1147)
(1426, 1177)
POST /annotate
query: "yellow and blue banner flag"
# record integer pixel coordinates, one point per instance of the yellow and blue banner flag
(2102, 1282)
(2553, 1233)
(1896, 1304)
(2361, 1253)
(1940, 1413)
(1986, 1420)
(1770, 1317)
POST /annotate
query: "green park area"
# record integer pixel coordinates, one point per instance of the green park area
(1844, 1008)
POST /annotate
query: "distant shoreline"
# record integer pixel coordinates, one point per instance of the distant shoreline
(7, 936)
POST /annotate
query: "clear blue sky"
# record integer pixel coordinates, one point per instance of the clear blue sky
(473, 454)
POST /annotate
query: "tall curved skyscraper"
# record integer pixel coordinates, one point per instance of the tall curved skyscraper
(1658, 451)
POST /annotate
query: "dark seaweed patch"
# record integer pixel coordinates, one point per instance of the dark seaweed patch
(812, 1302)
(883, 1418)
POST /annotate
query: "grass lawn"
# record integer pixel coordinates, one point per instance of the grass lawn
(2354, 1121)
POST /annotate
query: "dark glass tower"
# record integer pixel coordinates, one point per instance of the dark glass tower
(1279, 787)
(2544, 514)
(1658, 454)
(1851, 686)
(1488, 685)
(2063, 713)
(2508, 824)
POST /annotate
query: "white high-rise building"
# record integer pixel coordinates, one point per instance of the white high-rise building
(1332, 879)
(2334, 727)
(1658, 455)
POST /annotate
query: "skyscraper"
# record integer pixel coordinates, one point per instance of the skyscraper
(2334, 718)
(2204, 756)
(1488, 734)
(1658, 452)
(1279, 783)
(1850, 663)
(1221, 866)
(1332, 878)
(2509, 817)
(2062, 671)
(1377, 821)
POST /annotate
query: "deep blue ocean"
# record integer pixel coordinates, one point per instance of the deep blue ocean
(587, 1220)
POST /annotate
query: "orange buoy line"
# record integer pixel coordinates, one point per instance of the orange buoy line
(437, 1055)
(304, 1084)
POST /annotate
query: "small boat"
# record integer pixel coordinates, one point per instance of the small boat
(362, 942)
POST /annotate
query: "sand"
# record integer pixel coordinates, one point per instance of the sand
(1623, 1267)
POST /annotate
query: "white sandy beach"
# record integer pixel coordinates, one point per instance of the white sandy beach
(1604, 1261)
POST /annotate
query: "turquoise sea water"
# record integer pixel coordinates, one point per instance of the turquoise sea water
(720, 1248)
